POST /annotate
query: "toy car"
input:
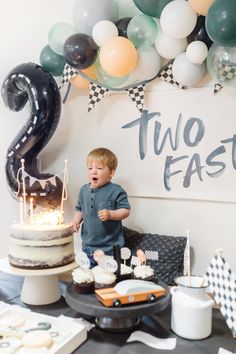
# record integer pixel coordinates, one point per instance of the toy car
(130, 291)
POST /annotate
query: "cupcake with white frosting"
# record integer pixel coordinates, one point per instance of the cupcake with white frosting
(83, 280)
(97, 269)
(104, 280)
(144, 272)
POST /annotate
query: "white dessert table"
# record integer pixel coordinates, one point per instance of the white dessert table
(40, 286)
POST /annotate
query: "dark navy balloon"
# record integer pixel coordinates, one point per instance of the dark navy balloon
(122, 26)
(80, 50)
(30, 82)
(199, 33)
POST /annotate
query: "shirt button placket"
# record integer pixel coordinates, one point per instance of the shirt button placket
(92, 198)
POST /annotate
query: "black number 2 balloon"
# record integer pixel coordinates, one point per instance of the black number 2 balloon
(30, 82)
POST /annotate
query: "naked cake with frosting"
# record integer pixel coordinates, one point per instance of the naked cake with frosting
(40, 246)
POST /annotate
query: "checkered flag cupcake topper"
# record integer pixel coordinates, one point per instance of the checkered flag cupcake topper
(67, 75)
(96, 94)
(136, 93)
(154, 255)
(222, 283)
(166, 75)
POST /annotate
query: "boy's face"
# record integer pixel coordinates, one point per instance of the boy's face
(98, 174)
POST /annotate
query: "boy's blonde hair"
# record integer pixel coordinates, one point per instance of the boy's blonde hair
(105, 156)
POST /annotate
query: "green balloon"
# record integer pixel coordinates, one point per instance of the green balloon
(127, 8)
(221, 22)
(142, 31)
(57, 36)
(151, 7)
(51, 61)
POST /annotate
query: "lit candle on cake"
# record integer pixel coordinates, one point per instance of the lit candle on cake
(31, 211)
(21, 211)
(64, 192)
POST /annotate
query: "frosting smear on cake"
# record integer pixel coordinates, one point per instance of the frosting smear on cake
(40, 247)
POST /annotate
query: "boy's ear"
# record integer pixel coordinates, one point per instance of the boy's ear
(112, 173)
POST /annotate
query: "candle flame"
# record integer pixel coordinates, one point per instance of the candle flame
(51, 217)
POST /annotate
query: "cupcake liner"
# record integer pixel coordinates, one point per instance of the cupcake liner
(84, 288)
(103, 286)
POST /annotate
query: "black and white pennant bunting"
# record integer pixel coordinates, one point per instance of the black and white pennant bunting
(217, 88)
(136, 93)
(166, 75)
(67, 75)
(96, 94)
(222, 283)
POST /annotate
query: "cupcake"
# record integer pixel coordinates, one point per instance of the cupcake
(97, 269)
(144, 272)
(104, 280)
(126, 272)
(83, 280)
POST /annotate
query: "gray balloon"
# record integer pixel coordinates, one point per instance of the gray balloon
(88, 12)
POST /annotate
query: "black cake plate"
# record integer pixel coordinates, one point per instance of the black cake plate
(114, 318)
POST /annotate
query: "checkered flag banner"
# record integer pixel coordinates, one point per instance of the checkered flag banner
(166, 75)
(136, 93)
(96, 94)
(67, 75)
(222, 283)
(217, 88)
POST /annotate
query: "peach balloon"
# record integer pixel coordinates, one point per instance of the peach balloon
(118, 56)
(80, 82)
(201, 6)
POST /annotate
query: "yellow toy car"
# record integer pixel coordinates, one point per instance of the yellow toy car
(129, 292)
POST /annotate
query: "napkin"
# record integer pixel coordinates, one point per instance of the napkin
(154, 342)
(224, 351)
(80, 320)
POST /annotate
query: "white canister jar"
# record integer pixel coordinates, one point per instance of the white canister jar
(191, 308)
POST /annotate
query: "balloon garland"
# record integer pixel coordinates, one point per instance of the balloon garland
(154, 29)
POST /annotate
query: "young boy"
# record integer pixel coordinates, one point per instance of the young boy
(101, 205)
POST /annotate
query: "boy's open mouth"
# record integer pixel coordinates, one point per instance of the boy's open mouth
(94, 179)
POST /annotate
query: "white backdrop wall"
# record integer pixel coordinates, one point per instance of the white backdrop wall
(207, 208)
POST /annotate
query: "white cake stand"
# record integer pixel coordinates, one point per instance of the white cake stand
(40, 287)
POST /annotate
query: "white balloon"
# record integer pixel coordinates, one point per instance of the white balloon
(148, 65)
(169, 47)
(196, 52)
(102, 31)
(187, 73)
(178, 19)
(87, 13)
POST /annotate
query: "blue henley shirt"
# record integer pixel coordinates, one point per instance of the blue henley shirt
(95, 233)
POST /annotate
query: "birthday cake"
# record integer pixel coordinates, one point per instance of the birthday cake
(40, 246)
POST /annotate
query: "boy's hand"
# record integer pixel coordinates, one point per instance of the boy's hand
(104, 215)
(78, 217)
(76, 226)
